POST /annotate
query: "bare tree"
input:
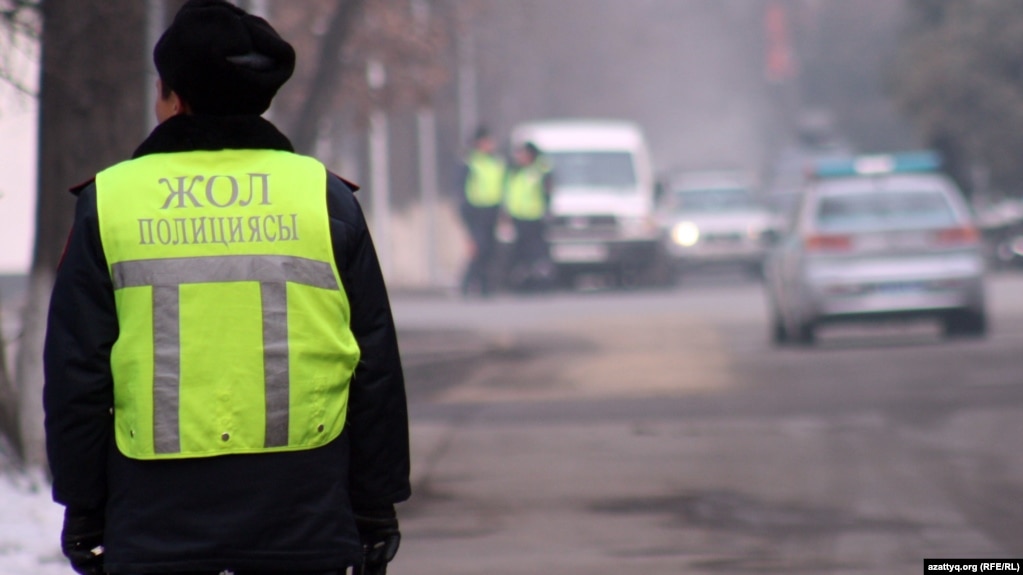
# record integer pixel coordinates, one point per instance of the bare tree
(327, 75)
(8, 404)
(336, 38)
(19, 32)
(91, 114)
(957, 78)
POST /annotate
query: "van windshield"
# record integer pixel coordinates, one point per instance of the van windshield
(592, 169)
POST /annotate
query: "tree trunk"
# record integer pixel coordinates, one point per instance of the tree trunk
(29, 372)
(327, 78)
(91, 115)
(9, 426)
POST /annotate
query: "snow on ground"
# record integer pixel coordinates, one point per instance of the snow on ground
(29, 527)
(30, 521)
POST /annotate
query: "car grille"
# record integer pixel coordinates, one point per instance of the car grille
(568, 227)
(584, 222)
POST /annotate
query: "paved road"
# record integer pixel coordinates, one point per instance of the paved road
(660, 433)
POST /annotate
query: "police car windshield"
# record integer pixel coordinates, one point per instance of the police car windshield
(884, 210)
(576, 170)
(712, 200)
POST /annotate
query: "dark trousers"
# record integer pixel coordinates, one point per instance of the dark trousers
(480, 223)
(530, 256)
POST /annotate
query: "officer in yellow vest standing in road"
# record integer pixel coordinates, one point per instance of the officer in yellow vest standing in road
(482, 181)
(526, 201)
(223, 387)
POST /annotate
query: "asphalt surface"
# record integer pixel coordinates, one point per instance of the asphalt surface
(660, 433)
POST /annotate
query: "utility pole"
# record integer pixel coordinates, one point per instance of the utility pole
(426, 124)
(156, 16)
(379, 167)
(468, 111)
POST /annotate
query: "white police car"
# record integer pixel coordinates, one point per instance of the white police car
(878, 237)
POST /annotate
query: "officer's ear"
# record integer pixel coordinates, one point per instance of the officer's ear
(168, 103)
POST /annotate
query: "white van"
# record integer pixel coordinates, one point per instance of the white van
(602, 205)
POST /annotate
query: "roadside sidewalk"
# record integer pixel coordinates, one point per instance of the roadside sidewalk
(425, 347)
(425, 354)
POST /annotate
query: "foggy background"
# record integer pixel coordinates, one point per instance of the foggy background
(715, 84)
(694, 74)
(654, 430)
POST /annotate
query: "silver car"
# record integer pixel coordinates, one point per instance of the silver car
(878, 245)
(713, 218)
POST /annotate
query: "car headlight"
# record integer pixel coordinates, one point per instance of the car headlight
(685, 234)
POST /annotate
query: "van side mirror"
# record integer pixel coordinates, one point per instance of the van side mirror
(658, 191)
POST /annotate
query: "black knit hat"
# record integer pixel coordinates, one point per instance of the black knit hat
(221, 60)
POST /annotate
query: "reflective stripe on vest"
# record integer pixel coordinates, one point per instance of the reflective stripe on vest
(483, 184)
(165, 276)
(524, 198)
(230, 342)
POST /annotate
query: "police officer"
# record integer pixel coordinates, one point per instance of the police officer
(526, 200)
(223, 387)
(481, 179)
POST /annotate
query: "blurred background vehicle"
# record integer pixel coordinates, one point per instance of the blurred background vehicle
(715, 218)
(878, 237)
(1001, 225)
(601, 219)
(1007, 249)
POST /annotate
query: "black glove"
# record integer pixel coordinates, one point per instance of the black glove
(82, 540)
(378, 531)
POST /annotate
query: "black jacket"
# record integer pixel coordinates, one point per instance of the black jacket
(288, 511)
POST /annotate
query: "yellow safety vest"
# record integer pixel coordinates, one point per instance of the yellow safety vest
(483, 184)
(525, 198)
(234, 324)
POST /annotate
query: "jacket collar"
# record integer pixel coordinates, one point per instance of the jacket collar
(191, 133)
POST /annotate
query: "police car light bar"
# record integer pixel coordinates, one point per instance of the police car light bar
(902, 163)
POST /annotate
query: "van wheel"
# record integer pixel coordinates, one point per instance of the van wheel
(779, 335)
(567, 280)
(628, 278)
(660, 273)
(807, 334)
(756, 271)
(965, 323)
